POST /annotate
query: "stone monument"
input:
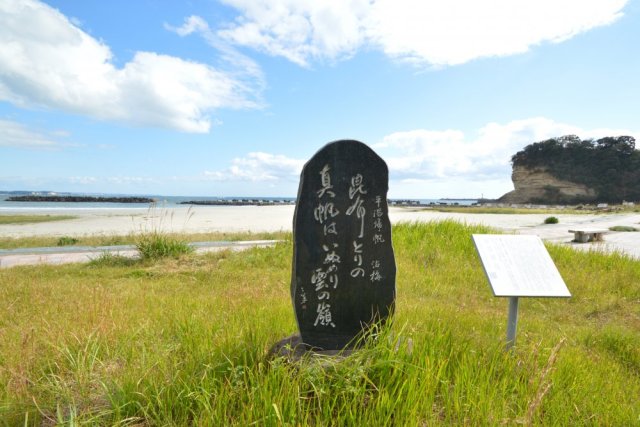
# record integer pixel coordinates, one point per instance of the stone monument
(343, 273)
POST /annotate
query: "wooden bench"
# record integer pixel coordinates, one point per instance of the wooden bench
(584, 235)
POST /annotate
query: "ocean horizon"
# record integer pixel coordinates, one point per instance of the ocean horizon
(163, 201)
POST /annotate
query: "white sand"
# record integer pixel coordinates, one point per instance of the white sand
(276, 218)
(180, 219)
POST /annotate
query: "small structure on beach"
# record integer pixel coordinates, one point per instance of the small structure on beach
(585, 235)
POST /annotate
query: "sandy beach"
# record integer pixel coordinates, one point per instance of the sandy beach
(198, 219)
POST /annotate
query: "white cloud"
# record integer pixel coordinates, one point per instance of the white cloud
(111, 181)
(10, 183)
(191, 24)
(48, 62)
(60, 133)
(83, 180)
(451, 155)
(300, 30)
(259, 167)
(131, 180)
(455, 32)
(420, 31)
(242, 66)
(13, 134)
(429, 162)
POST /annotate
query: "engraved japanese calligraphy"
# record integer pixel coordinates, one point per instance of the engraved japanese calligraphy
(343, 277)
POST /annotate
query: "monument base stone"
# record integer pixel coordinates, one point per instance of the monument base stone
(293, 349)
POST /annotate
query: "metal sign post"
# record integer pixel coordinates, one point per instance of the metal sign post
(512, 322)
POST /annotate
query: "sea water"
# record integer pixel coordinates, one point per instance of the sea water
(161, 202)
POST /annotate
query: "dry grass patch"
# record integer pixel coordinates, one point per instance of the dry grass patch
(32, 219)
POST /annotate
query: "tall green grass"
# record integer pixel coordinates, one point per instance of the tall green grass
(184, 341)
(132, 238)
(155, 245)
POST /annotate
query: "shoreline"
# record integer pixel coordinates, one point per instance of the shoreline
(203, 219)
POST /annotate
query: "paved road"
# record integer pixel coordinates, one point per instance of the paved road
(71, 254)
(628, 243)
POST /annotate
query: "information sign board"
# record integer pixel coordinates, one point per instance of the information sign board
(519, 266)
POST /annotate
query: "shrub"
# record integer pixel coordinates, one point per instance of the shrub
(157, 245)
(66, 241)
(622, 228)
(154, 243)
(551, 220)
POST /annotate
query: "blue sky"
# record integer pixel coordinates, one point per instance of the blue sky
(231, 97)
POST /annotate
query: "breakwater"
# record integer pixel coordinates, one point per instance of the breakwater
(79, 199)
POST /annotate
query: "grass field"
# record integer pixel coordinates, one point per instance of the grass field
(183, 341)
(31, 219)
(132, 238)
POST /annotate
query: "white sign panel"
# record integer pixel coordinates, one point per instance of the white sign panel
(519, 266)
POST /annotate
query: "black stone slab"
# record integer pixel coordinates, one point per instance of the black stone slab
(344, 269)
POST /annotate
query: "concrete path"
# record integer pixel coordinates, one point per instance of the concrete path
(71, 254)
(623, 242)
(627, 243)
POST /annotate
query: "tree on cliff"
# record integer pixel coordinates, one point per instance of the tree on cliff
(610, 165)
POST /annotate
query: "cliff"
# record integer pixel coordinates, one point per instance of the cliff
(537, 185)
(568, 170)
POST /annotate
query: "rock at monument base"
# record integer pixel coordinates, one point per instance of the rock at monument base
(293, 349)
(343, 276)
